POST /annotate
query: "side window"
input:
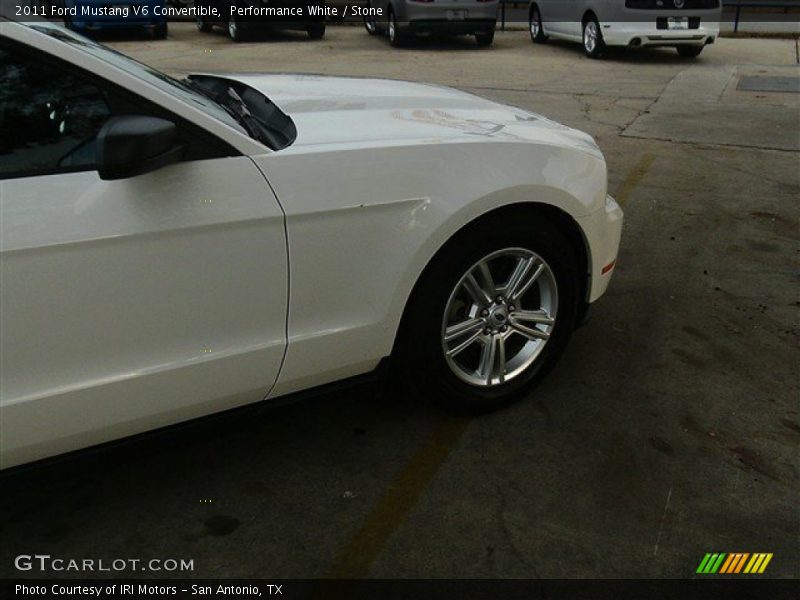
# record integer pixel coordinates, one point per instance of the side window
(49, 118)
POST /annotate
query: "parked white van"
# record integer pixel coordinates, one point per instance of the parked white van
(688, 25)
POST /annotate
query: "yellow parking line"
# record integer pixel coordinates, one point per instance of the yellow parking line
(634, 177)
(355, 561)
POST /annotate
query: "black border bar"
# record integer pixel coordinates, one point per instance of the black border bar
(707, 587)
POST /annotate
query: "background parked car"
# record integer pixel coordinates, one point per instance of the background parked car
(239, 28)
(90, 16)
(402, 19)
(687, 25)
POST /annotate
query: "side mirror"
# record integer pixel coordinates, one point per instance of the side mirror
(132, 144)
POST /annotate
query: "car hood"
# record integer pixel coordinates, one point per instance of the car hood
(356, 111)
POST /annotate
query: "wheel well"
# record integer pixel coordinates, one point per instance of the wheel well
(560, 218)
(588, 16)
(555, 215)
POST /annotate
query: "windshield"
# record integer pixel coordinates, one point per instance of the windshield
(143, 72)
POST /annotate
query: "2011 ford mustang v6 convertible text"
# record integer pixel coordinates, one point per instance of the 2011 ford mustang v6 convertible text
(175, 248)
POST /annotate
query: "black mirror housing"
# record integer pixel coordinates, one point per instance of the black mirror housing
(130, 145)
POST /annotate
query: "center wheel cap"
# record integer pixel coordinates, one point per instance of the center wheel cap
(498, 316)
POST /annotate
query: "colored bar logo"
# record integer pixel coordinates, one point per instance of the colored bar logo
(734, 563)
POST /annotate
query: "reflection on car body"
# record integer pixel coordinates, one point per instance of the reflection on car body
(171, 249)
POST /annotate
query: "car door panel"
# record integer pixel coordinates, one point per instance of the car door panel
(136, 303)
(552, 12)
(575, 9)
(568, 15)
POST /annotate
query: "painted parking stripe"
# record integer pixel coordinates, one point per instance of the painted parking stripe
(633, 178)
(355, 561)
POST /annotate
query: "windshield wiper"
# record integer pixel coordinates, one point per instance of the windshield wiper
(249, 108)
(233, 104)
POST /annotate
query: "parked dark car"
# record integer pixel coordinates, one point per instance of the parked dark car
(401, 20)
(241, 18)
(100, 15)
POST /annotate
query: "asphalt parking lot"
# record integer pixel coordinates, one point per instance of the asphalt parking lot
(669, 429)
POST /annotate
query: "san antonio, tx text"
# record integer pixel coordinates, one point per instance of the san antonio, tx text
(160, 591)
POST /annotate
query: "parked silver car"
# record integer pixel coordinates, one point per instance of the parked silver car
(402, 19)
(688, 25)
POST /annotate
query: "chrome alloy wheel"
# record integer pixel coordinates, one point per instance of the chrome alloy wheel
(369, 22)
(233, 28)
(535, 24)
(392, 28)
(499, 317)
(590, 35)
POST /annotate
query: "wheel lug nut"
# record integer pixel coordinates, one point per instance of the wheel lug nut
(504, 328)
(499, 299)
(487, 331)
(485, 312)
(511, 307)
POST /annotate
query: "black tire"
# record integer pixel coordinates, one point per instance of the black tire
(599, 47)
(316, 31)
(370, 24)
(202, 25)
(537, 32)
(396, 37)
(485, 38)
(689, 51)
(419, 349)
(236, 30)
(160, 32)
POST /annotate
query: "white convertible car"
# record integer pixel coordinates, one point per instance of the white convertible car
(172, 248)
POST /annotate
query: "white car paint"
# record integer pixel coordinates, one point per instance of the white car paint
(133, 302)
(141, 302)
(358, 131)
